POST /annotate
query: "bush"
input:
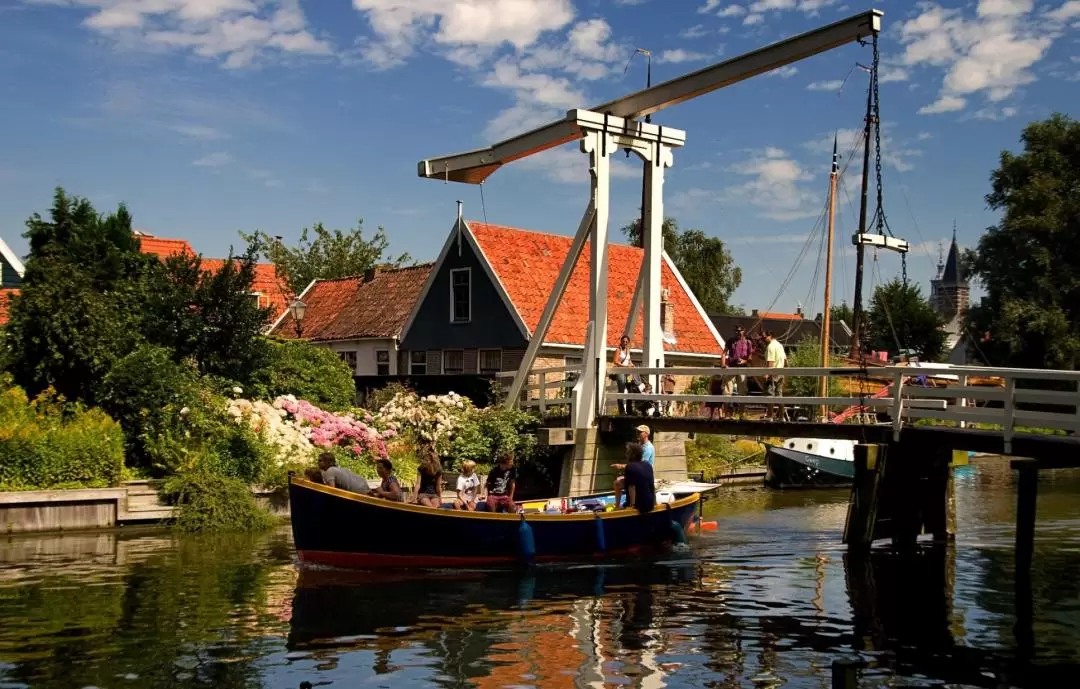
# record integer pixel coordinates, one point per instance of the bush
(49, 444)
(207, 501)
(312, 373)
(493, 430)
(714, 455)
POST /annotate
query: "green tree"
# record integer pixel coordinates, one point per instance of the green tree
(331, 254)
(74, 317)
(704, 262)
(1029, 263)
(842, 313)
(316, 374)
(900, 318)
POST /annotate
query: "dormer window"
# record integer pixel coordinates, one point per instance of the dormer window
(460, 295)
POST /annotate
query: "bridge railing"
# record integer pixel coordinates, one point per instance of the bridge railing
(1019, 398)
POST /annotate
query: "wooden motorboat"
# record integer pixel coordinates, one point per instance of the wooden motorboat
(342, 529)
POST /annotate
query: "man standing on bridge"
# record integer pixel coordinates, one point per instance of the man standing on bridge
(775, 357)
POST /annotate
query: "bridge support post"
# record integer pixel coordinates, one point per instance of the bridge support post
(859, 530)
(1027, 490)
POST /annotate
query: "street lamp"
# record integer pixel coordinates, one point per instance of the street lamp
(298, 308)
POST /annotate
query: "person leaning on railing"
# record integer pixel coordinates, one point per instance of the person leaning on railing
(622, 360)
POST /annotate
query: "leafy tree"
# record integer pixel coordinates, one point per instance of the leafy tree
(74, 318)
(316, 374)
(900, 317)
(331, 254)
(1029, 263)
(843, 312)
(705, 263)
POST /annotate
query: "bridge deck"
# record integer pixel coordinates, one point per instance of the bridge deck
(1038, 446)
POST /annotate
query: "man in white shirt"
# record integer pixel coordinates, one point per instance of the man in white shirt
(775, 357)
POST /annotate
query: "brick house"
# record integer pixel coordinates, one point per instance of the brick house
(359, 317)
(11, 275)
(487, 290)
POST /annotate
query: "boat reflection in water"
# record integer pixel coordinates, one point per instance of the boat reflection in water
(557, 626)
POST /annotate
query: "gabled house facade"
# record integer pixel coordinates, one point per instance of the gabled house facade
(11, 272)
(485, 294)
(359, 317)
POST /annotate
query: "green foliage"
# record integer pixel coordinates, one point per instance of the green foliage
(704, 262)
(332, 254)
(1029, 263)
(807, 354)
(208, 501)
(493, 430)
(49, 444)
(842, 313)
(316, 374)
(715, 455)
(901, 318)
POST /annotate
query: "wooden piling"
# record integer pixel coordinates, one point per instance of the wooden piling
(939, 503)
(845, 674)
(859, 530)
(1027, 490)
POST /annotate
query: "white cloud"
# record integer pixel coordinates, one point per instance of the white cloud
(770, 238)
(752, 19)
(218, 159)
(785, 72)
(400, 26)
(696, 31)
(943, 104)
(732, 11)
(887, 74)
(995, 114)
(709, 6)
(1067, 12)
(831, 85)
(898, 154)
(316, 186)
(198, 131)
(235, 32)
(776, 187)
(679, 55)
(990, 53)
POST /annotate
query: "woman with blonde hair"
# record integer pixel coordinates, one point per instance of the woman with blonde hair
(429, 478)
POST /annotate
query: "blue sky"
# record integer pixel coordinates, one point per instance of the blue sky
(213, 116)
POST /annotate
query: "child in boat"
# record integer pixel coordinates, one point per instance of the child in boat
(468, 486)
(501, 483)
(390, 488)
(429, 479)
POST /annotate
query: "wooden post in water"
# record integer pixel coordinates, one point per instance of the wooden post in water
(845, 674)
(939, 501)
(862, 513)
(1027, 490)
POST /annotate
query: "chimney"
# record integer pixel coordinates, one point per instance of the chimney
(667, 315)
(370, 274)
(755, 314)
(798, 310)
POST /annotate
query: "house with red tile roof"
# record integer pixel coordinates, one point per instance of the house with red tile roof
(483, 299)
(268, 289)
(359, 317)
(11, 275)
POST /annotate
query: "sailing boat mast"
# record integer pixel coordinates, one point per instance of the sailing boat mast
(826, 316)
(860, 248)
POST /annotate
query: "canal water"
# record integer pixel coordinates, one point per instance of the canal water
(768, 600)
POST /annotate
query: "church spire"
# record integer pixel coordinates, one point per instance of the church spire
(951, 274)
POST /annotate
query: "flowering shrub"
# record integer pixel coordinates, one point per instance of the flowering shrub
(433, 419)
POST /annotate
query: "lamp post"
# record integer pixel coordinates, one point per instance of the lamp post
(298, 308)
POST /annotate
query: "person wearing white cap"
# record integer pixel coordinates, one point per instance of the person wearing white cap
(648, 454)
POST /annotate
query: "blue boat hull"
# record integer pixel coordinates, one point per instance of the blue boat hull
(342, 529)
(787, 468)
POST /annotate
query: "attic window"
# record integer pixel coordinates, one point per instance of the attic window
(460, 295)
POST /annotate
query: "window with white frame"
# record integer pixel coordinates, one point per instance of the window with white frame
(490, 361)
(460, 295)
(349, 357)
(382, 362)
(453, 362)
(418, 363)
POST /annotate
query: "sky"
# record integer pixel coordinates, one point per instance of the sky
(211, 117)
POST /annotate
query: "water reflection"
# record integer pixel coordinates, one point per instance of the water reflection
(769, 600)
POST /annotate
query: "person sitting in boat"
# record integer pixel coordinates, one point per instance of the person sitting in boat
(390, 488)
(501, 483)
(648, 454)
(638, 480)
(468, 487)
(340, 477)
(429, 479)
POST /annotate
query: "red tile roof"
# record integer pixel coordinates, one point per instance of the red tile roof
(273, 292)
(5, 295)
(352, 308)
(527, 263)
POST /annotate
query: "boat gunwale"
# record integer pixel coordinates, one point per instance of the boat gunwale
(382, 503)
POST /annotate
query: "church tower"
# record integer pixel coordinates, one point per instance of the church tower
(949, 293)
